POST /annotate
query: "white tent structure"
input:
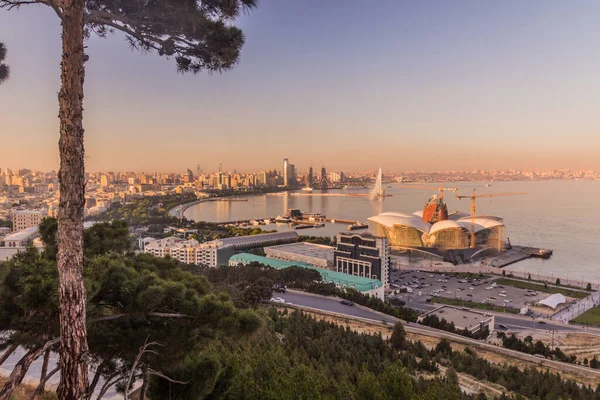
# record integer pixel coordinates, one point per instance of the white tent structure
(553, 301)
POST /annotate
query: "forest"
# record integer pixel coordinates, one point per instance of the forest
(206, 335)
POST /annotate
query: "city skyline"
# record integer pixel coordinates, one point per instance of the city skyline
(477, 86)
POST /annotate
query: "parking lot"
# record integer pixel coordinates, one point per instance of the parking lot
(423, 286)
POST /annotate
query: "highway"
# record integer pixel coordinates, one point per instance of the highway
(332, 304)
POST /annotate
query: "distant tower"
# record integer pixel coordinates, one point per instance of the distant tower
(220, 168)
(286, 172)
(323, 178)
(309, 179)
(198, 170)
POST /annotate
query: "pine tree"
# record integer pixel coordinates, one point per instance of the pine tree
(4, 70)
(198, 36)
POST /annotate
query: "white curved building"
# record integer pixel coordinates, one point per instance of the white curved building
(411, 231)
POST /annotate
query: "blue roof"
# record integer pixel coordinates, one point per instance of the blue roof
(357, 282)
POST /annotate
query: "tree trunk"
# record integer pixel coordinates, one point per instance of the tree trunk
(8, 352)
(19, 371)
(72, 297)
(45, 367)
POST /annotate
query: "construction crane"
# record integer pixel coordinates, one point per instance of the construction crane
(441, 189)
(473, 197)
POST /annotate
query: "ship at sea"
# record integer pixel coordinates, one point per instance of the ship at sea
(307, 189)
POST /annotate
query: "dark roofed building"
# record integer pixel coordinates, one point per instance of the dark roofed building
(362, 255)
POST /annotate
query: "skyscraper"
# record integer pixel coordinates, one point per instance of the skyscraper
(286, 172)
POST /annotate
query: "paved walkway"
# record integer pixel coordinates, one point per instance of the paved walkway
(576, 309)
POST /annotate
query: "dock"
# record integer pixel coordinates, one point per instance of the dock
(519, 253)
(368, 195)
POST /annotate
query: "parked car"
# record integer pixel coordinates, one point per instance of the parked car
(277, 300)
(346, 302)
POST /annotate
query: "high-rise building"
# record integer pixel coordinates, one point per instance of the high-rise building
(323, 178)
(286, 172)
(310, 177)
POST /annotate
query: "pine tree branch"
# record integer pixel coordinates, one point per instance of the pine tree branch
(40, 387)
(10, 4)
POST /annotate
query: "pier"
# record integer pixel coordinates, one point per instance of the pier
(519, 253)
(338, 195)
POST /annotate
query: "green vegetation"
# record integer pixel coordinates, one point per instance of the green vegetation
(527, 346)
(147, 210)
(4, 69)
(243, 283)
(473, 304)
(325, 240)
(434, 321)
(541, 288)
(4, 223)
(590, 317)
(182, 335)
(211, 231)
(144, 313)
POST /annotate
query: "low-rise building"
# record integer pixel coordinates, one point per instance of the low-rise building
(213, 253)
(315, 254)
(15, 242)
(463, 318)
(254, 241)
(369, 286)
(24, 219)
(363, 255)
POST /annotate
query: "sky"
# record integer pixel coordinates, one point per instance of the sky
(350, 84)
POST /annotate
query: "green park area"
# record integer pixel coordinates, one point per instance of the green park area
(540, 287)
(590, 317)
(474, 304)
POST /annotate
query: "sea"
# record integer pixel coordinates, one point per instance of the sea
(560, 215)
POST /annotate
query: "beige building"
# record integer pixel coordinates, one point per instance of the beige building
(24, 219)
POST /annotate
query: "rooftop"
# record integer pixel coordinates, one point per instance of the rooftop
(328, 276)
(306, 249)
(462, 317)
(28, 212)
(21, 235)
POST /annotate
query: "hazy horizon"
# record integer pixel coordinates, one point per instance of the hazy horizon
(406, 85)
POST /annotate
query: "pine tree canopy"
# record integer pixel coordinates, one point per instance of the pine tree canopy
(4, 70)
(197, 34)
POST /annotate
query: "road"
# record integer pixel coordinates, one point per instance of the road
(513, 322)
(332, 304)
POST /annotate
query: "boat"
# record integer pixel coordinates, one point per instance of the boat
(357, 225)
(353, 187)
(303, 226)
(542, 253)
(282, 219)
(267, 221)
(307, 189)
(488, 184)
(319, 225)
